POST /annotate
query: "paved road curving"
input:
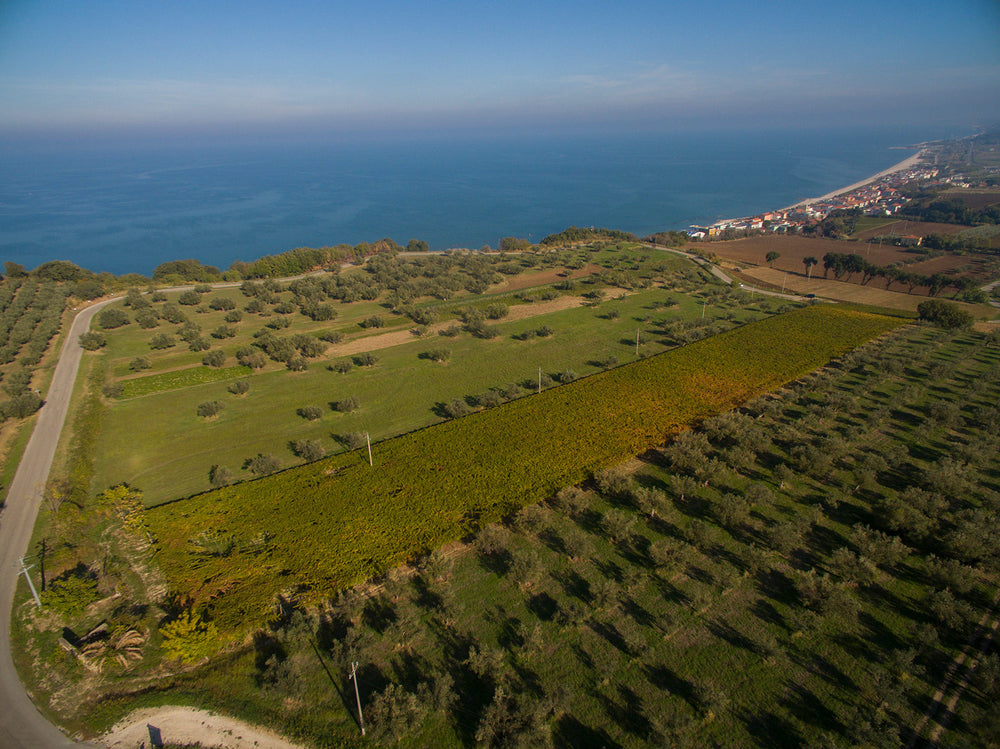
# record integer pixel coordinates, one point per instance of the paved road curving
(21, 725)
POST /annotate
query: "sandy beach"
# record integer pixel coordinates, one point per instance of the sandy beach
(906, 163)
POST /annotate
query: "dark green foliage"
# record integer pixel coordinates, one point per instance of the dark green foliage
(93, 341)
(189, 298)
(262, 464)
(222, 303)
(945, 314)
(21, 406)
(239, 387)
(214, 358)
(347, 405)
(185, 270)
(210, 408)
(308, 450)
(310, 412)
(366, 359)
(112, 317)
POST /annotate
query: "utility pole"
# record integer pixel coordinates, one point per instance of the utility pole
(24, 571)
(539, 379)
(636, 341)
(783, 279)
(368, 439)
(354, 677)
(704, 304)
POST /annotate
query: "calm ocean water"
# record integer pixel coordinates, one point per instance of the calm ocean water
(128, 208)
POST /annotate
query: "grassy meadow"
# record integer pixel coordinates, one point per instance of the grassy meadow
(158, 442)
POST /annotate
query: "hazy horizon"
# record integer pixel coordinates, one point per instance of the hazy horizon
(308, 70)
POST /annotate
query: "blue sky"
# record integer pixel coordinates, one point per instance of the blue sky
(476, 64)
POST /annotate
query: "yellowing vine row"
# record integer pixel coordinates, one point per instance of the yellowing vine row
(339, 521)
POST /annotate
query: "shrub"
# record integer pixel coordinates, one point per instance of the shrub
(189, 639)
(172, 314)
(496, 311)
(199, 344)
(222, 303)
(366, 359)
(944, 314)
(215, 358)
(567, 375)
(189, 298)
(545, 331)
(209, 409)
(308, 450)
(343, 366)
(331, 336)
(284, 308)
(202, 288)
(70, 595)
(147, 319)
(234, 316)
(21, 406)
(113, 390)
(438, 354)
(297, 364)
(352, 440)
(375, 321)
(457, 408)
(162, 341)
(347, 405)
(220, 476)
(240, 387)
(112, 318)
(93, 341)
(261, 464)
(224, 331)
(140, 363)
(310, 412)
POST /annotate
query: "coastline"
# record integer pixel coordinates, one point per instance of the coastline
(907, 163)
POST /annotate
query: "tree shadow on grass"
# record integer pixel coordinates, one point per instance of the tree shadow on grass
(663, 678)
(771, 730)
(627, 713)
(570, 733)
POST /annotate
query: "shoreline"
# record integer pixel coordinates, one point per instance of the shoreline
(906, 163)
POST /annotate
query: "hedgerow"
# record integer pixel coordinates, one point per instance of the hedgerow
(338, 521)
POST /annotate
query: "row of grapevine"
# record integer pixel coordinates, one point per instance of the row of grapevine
(33, 318)
(333, 523)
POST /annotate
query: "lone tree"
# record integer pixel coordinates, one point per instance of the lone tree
(771, 257)
(809, 262)
(944, 314)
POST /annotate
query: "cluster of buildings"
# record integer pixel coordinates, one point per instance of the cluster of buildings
(880, 197)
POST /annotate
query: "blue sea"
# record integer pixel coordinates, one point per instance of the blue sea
(126, 207)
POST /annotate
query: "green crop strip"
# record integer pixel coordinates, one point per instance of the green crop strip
(181, 378)
(319, 528)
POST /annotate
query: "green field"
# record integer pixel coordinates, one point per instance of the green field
(799, 572)
(332, 523)
(159, 444)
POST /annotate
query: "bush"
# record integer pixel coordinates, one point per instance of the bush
(147, 319)
(496, 311)
(343, 366)
(545, 331)
(457, 408)
(262, 464)
(375, 321)
(438, 354)
(331, 336)
(297, 364)
(220, 476)
(202, 288)
(222, 303)
(93, 341)
(310, 412)
(215, 358)
(162, 341)
(234, 316)
(172, 314)
(21, 406)
(199, 344)
(208, 409)
(112, 318)
(113, 390)
(352, 440)
(944, 314)
(224, 331)
(308, 450)
(567, 375)
(189, 298)
(240, 387)
(347, 405)
(366, 359)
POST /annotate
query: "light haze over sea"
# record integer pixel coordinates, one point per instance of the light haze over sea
(126, 207)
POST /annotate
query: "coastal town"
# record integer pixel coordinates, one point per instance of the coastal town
(880, 195)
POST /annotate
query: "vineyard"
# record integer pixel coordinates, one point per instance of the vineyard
(327, 525)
